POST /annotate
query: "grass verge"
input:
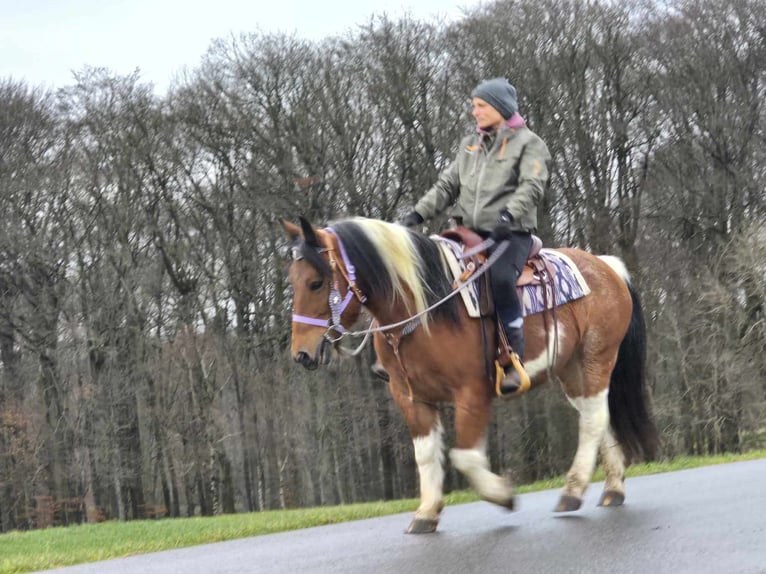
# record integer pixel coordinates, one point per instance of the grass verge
(54, 547)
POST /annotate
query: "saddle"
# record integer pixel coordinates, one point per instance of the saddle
(537, 271)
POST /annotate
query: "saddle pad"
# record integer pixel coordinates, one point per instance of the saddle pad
(569, 282)
(452, 257)
(569, 285)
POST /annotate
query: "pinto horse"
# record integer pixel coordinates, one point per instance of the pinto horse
(596, 349)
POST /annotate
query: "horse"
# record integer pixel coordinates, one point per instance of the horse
(594, 345)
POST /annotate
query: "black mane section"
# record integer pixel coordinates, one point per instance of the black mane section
(437, 285)
(371, 275)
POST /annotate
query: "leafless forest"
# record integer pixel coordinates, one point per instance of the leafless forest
(144, 314)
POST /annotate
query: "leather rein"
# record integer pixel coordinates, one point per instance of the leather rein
(339, 303)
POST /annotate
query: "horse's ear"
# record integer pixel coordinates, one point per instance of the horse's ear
(309, 234)
(292, 230)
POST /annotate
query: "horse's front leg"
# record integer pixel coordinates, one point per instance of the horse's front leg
(427, 438)
(472, 414)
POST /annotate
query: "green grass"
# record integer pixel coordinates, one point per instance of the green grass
(55, 547)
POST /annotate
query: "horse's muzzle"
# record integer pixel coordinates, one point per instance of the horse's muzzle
(304, 359)
(323, 355)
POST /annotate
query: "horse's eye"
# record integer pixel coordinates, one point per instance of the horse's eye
(316, 285)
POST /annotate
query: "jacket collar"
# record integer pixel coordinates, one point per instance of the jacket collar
(511, 124)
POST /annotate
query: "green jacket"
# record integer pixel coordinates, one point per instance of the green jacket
(509, 169)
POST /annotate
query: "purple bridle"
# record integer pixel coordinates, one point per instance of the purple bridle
(336, 302)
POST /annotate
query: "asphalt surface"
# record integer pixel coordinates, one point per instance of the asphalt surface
(705, 520)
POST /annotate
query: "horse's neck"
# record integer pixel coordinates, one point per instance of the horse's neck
(386, 313)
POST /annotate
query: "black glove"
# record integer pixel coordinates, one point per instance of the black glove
(504, 228)
(411, 219)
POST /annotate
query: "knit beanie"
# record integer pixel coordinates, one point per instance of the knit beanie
(499, 94)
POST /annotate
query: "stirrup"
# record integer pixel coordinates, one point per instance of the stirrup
(518, 372)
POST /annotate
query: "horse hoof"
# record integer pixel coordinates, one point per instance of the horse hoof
(611, 498)
(568, 503)
(509, 504)
(422, 526)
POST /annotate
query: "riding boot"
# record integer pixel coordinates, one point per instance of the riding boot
(515, 377)
(514, 333)
(510, 376)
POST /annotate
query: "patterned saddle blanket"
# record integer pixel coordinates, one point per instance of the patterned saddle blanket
(569, 284)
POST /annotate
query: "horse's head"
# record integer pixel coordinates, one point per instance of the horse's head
(323, 304)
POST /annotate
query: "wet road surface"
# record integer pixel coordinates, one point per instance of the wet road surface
(705, 520)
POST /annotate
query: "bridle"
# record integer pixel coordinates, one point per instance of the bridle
(336, 301)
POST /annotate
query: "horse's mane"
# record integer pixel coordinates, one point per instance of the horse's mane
(394, 263)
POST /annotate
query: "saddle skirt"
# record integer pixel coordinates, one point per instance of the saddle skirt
(568, 283)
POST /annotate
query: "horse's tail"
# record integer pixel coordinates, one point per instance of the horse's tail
(628, 410)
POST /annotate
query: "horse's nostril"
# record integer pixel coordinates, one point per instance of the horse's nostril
(304, 359)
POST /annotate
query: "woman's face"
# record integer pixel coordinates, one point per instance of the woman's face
(485, 115)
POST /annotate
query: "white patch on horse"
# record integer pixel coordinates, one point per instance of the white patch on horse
(429, 455)
(547, 358)
(617, 265)
(593, 423)
(473, 463)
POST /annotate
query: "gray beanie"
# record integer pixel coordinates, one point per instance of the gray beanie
(499, 94)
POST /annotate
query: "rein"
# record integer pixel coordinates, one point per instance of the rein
(338, 304)
(413, 318)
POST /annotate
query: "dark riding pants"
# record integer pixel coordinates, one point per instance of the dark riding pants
(504, 274)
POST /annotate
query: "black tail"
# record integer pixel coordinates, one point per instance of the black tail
(628, 410)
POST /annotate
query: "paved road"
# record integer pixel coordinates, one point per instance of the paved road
(706, 520)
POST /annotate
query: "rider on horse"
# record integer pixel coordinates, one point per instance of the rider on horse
(494, 186)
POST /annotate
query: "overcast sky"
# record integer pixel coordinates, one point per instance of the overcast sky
(43, 41)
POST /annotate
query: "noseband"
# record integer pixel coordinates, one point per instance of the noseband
(336, 301)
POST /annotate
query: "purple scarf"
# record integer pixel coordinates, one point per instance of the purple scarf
(514, 122)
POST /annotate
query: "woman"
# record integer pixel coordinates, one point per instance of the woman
(495, 185)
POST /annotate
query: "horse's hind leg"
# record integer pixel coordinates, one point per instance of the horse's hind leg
(594, 420)
(613, 461)
(469, 455)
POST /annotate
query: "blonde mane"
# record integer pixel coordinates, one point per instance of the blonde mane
(402, 261)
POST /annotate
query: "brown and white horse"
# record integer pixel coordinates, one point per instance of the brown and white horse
(597, 352)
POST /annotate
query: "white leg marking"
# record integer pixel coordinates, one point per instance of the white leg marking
(594, 420)
(429, 456)
(473, 463)
(546, 359)
(613, 461)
